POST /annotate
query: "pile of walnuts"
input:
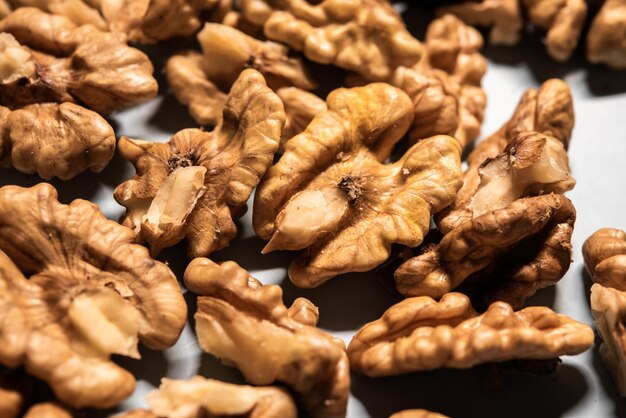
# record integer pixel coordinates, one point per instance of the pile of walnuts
(343, 181)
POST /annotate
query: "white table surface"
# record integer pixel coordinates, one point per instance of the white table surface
(597, 153)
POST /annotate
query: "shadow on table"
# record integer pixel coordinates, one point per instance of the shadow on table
(521, 397)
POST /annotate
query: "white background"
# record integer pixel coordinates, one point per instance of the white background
(597, 155)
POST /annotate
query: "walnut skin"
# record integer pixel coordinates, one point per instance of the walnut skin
(200, 80)
(199, 397)
(605, 259)
(55, 140)
(336, 163)
(421, 334)
(417, 413)
(506, 254)
(507, 235)
(445, 84)
(48, 410)
(80, 12)
(192, 186)
(364, 36)
(606, 40)
(300, 109)
(72, 64)
(246, 324)
(564, 20)
(548, 111)
(91, 293)
(503, 16)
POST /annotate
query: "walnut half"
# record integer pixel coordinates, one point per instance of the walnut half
(74, 290)
(420, 334)
(605, 259)
(55, 140)
(246, 324)
(194, 185)
(337, 163)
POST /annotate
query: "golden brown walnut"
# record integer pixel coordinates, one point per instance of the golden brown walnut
(200, 80)
(605, 259)
(508, 233)
(90, 293)
(337, 164)
(445, 84)
(417, 413)
(194, 185)
(503, 16)
(246, 324)
(199, 397)
(300, 109)
(563, 19)
(48, 410)
(506, 254)
(364, 36)
(55, 140)
(606, 40)
(81, 12)
(548, 111)
(421, 334)
(53, 60)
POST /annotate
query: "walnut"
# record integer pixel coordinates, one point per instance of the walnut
(200, 397)
(80, 12)
(71, 64)
(48, 410)
(364, 36)
(507, 235)
(421, 334)
(192, 186)
(91, 293)
(11, 399)
(199, 80)
(506, 254)
(336, 163)
(246, 324)
(300, 109)
(417, 413)
(549, 112)
(605, 259)
(564, 20)
(55, 140)
(606, 40)
(445, 84)
(503, 16)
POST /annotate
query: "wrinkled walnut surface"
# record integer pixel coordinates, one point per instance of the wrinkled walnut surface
(199, 80)
(247, 325)
(548, 111)
(90, 293)
(199, 397)
(605, 259)
(506, 254)
(421, 334)
(71, 64)
(336, 163)
(503, 16)
(48, 410)
(55, 140)
(364, 36)
(563, 19)
(606, 40)
(300, 109)
(194, 185)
